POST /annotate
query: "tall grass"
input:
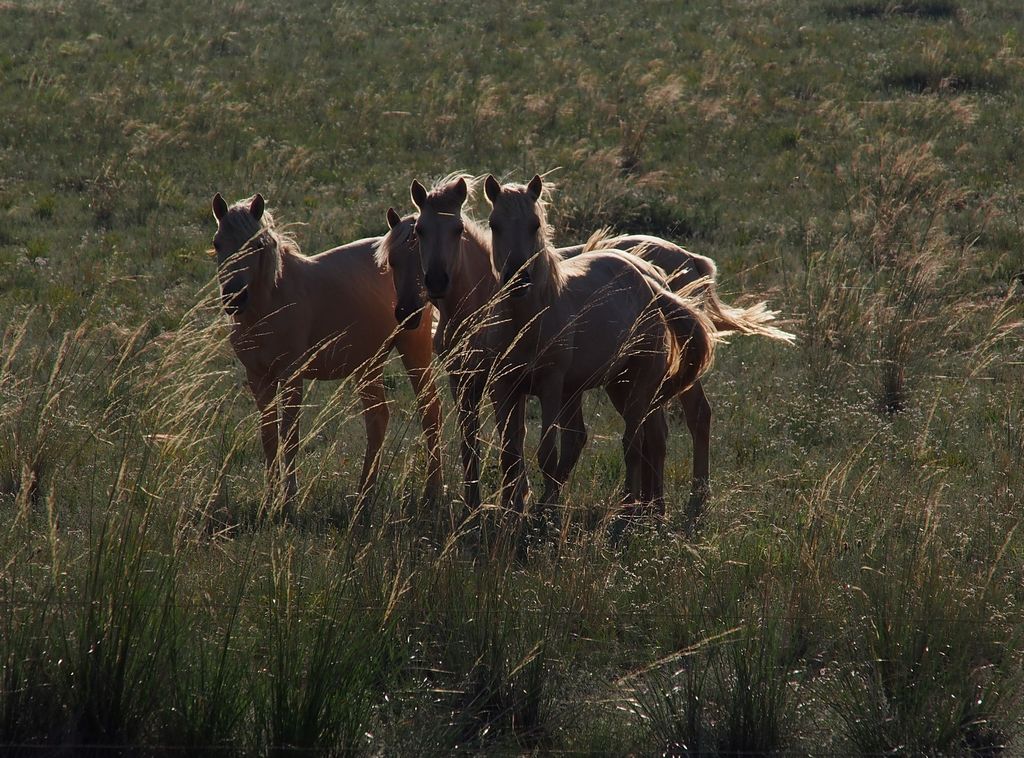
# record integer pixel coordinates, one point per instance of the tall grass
(927, 685)
(882, 294)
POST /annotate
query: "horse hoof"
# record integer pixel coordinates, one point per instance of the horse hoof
(695, 510)
(621, 523)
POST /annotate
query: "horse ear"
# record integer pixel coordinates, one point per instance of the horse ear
(492, 189)
(535, 186)
(393, 218)
(461, 190)
(256, 206)
(220, 208)
(418, 193)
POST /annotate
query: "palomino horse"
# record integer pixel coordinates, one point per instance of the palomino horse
(695, 276)
(456, 273)
(599, 319)
(327, 316)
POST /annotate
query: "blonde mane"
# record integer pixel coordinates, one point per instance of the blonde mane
(262, 236)
(398, 236)
(442, 195)
(599, 239)
(517, 202)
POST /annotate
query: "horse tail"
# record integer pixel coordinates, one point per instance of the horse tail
(753, 319)
(695, 337)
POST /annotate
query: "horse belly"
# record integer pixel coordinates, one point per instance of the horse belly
(597, 354)
(339, 356)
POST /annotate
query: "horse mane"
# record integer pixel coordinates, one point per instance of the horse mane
(397, 237)
(476, 233)
(262, 235)
(599, 239)
(549, 280)
(442, 195)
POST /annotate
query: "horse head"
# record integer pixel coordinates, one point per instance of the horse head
(398, 252)
(518, 232)
(242, 246)
(439, 227)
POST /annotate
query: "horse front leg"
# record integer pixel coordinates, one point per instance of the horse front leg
(291, 403)
(632, 452)
(547, 448)
(468, 395)
(264, 392)
(574, 436)
(510, 412)
(375, 419)
(697, 411)
(416, 355)
(655, 436)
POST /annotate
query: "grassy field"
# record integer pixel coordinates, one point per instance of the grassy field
(856, 585)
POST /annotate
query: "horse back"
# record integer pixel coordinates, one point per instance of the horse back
(331, 315)
(681, 266)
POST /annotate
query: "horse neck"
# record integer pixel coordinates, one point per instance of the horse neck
(473, 283)
(266, 288)
(545, 290)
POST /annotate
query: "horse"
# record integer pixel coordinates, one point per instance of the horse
(326, 316)
(439, 253)
(696, 276)
(597, 319)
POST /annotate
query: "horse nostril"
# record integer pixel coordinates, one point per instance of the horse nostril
(437, 282)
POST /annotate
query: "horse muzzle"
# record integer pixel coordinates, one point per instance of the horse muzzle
(437, 284)
(408, 318)
(517, 282)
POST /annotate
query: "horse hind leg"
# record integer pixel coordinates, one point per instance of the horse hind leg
(697, 412)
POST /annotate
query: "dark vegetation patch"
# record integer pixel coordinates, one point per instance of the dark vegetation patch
(924, 9)
(920, 76)
(643, 213)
